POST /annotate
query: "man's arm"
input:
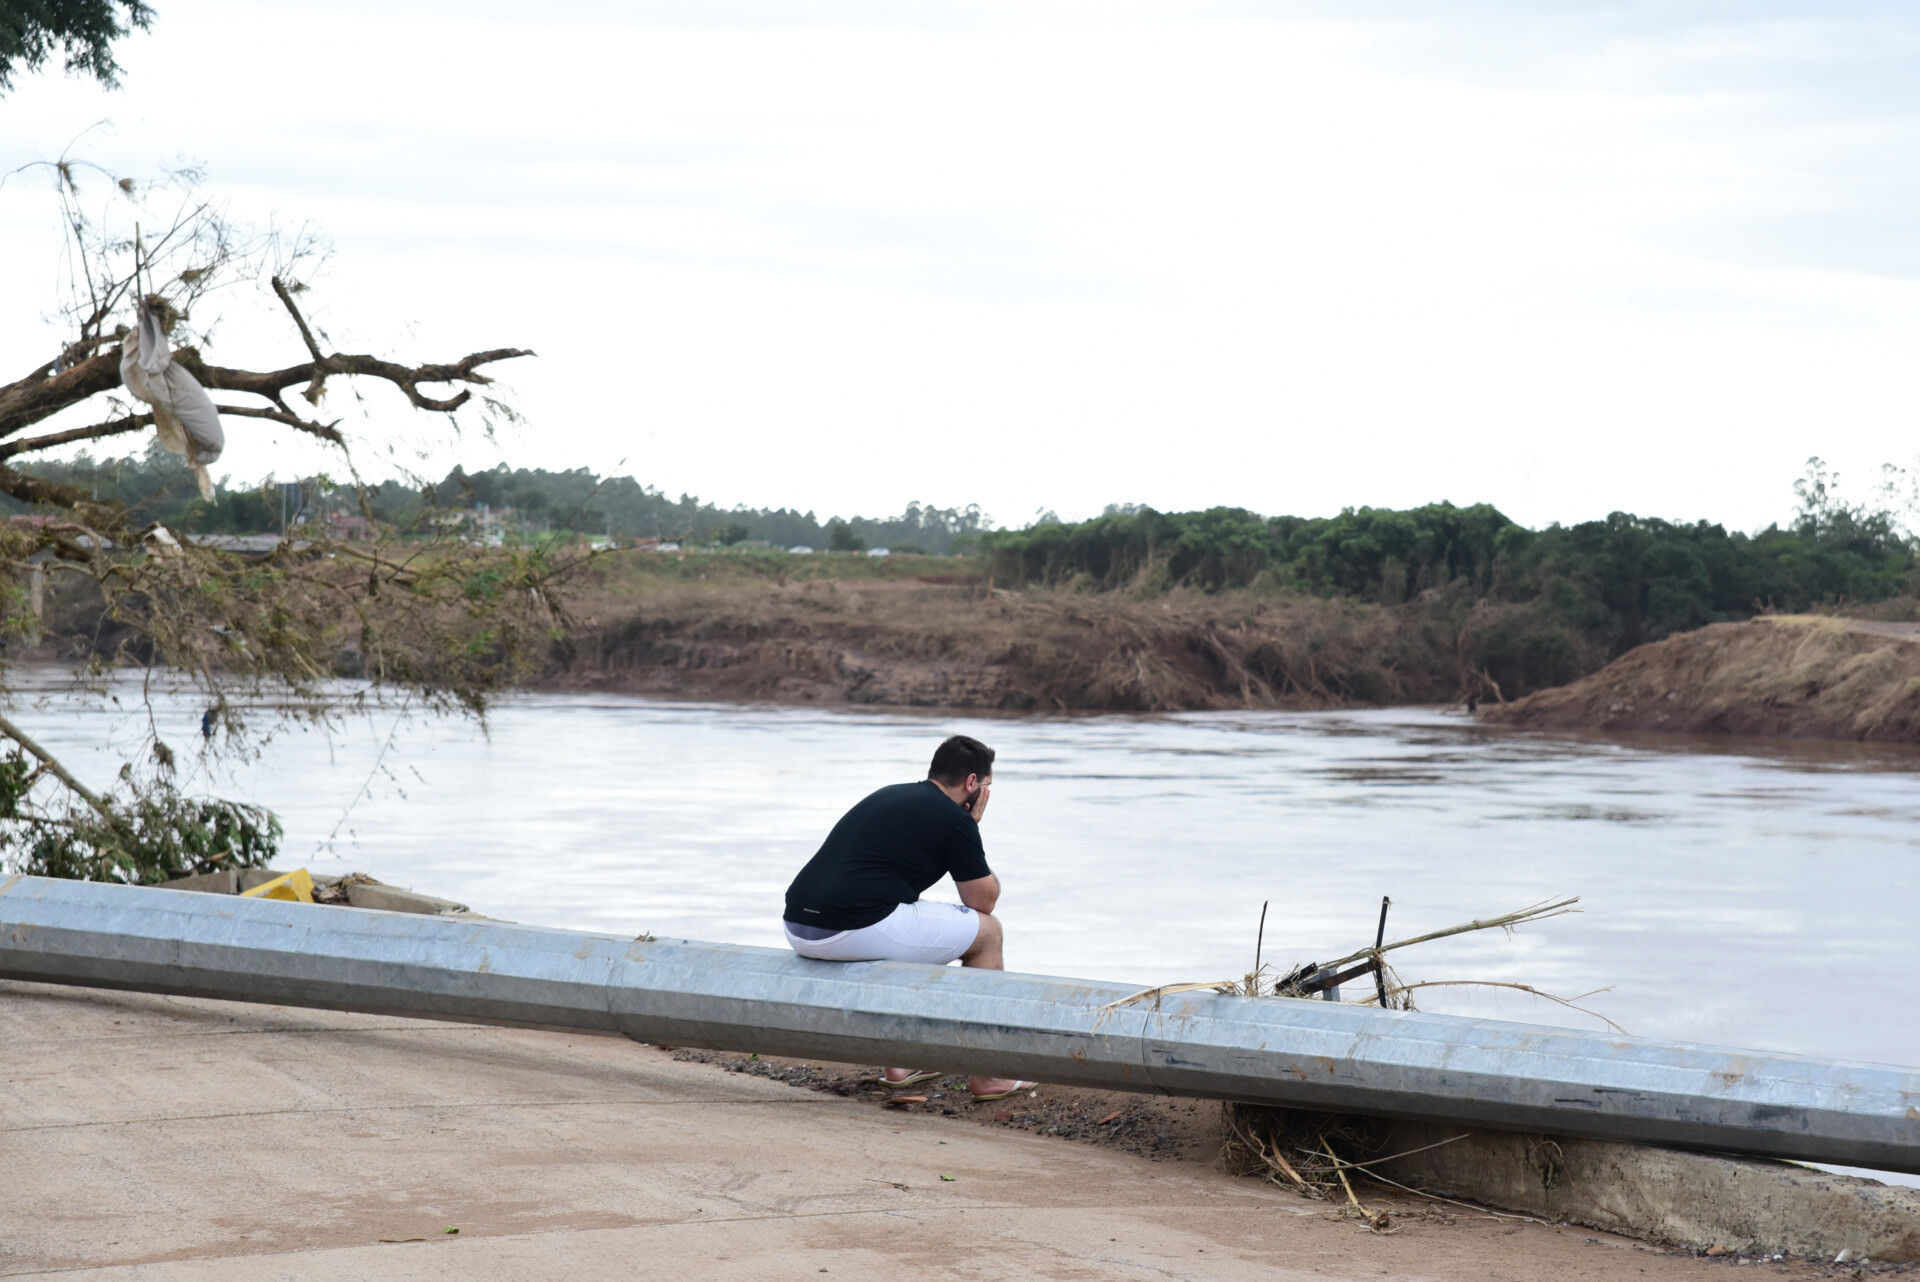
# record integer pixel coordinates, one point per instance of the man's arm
(980, 894)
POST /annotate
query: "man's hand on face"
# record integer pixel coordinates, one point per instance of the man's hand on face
(979, 807)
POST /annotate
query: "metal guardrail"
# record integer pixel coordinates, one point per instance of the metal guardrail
(1303, 1054)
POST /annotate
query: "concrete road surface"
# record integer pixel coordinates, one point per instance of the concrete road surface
(161, 1138)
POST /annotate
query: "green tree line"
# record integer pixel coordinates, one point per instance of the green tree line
(1598, 586)
(1592, 590)
(157, 486)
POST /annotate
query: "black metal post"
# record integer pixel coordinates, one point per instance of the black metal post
(1379, 967)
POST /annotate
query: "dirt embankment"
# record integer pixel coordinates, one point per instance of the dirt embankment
(970, 646)
(1797, 676)
(934, 632)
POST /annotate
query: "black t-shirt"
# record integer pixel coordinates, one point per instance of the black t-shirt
(883, 853)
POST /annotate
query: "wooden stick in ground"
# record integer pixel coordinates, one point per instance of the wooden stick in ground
(1339, 1168)
(1279, 1159)
(1274, 1158)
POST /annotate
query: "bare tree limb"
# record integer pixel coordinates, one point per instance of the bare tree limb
(325, 431)
(78, 351)
(306, 335)
(447, 621)
(54, 767)
(44, 392)
(317, 385)
(31, 489)
(112, 427)
(271, 384)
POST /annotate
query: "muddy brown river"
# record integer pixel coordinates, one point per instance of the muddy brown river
(1759, 894)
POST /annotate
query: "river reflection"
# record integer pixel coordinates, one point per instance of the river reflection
(1756, 894)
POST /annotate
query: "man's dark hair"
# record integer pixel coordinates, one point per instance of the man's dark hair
(959, 757)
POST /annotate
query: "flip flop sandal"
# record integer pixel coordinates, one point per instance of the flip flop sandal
(911, 1079)
(1015, 1089)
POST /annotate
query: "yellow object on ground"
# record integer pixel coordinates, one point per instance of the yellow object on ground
(296, 885)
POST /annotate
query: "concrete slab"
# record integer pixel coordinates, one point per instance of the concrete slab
(229, 881)
(362, 891)
(1698, 1200)
(224, 882)
(155, 1138)
(393, 899)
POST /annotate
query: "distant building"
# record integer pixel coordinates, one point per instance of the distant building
(668, 547)
(648, 544)
(878, 552)
(801, 549)
(483, 525)
(349, 526)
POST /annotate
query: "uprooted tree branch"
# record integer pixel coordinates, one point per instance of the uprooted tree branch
(444, 621)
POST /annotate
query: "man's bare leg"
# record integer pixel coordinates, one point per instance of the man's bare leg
(986, 951)
(986, 954)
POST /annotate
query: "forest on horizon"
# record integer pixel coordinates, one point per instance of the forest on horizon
(1605, 585)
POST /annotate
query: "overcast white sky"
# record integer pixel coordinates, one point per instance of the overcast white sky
(1565, 258)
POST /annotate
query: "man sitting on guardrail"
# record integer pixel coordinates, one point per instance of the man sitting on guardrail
(858, 899)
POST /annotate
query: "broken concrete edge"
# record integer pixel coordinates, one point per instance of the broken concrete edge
(1708, 1203)
(361, 891)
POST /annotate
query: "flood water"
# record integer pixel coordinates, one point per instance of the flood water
(1756, 894)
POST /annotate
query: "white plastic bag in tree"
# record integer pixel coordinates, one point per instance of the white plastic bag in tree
(185, 421)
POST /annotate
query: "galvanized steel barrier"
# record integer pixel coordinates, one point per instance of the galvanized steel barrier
(1304, 1054)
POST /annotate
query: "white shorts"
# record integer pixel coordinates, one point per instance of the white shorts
(917, 932)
